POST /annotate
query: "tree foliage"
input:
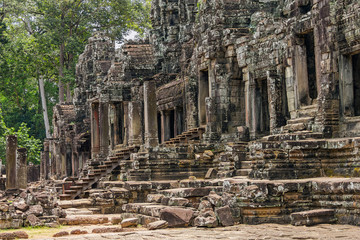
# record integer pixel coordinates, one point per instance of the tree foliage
(32, 144)
(43, 39)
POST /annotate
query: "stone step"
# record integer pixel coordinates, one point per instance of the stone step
(307, 111)
(301, 135)
(243, 172)
(65, 196)
(78, 211)
(89, 219)
(245, 164)
(143, 219)
(77, 203)
(304, 120)
(190, 192)
(148, 209)
(313, 217)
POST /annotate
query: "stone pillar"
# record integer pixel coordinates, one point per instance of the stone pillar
(42, 166)
(104, 129)
(135, 114)
(47, 164)
(21, 168)
(162, 115)
(11, 146)
(212, 124)
(246, 77)
(167, 125)
(275, 100)
(176, 122)
(95, 130)
(253, 121)
(150, 114)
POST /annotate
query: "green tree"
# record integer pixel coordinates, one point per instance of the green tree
(67, 24)
(32, 144)
(42, 39)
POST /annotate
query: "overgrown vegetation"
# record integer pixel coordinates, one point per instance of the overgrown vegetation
(41, 40)
(32, 144)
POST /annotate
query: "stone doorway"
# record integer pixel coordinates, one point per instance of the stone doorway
(170, 123)
(117, 132)
(350, 84)
(356, 81)
(306, 69)
(262, 107)
(204, 92)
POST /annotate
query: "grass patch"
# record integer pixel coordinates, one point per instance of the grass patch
(36, 232)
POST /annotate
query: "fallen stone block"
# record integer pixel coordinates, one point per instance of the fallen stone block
(61, 234)
(129, 222)
(37, 210)
(211, 173)
(206, 218)
(33, 221)
(157, 225)
(313, 217)
(78, 232)
(21, 235)
(178, 202)
(154, 198)
(107, 230)
(177, 217)
(6, 236)
(116, 220)
(225, 217)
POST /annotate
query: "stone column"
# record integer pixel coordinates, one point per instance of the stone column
(95, 130)
(162, 115)
(11, 146)
(212, 124)
(21, 168)
(167, 125)
(246, 77)
(150, 114)
(47, 164)
(104, 129)
(176, 122)
(253, 121)
(135, 114)
(275, 101)
(42, 165)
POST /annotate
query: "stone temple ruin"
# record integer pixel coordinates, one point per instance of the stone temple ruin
(248, 107)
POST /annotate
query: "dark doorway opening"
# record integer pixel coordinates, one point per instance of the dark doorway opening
(262, 107)
(203, 94)
(356, 82)
(159, 127)
(172, 123)
(311, 66)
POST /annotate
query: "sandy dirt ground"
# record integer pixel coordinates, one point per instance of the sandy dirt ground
(263, 231)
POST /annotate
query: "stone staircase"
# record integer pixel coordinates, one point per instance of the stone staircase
(169, 162)
(190, 135)
(98, 169)
(234, 161)
(304, 120)
(286, 156)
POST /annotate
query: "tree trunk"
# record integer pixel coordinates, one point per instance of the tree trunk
(61, 74)
(44, 107)
(68, 93)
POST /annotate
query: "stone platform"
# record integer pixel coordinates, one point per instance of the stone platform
(250, 201)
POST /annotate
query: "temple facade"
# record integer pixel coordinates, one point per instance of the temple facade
(263, 89)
